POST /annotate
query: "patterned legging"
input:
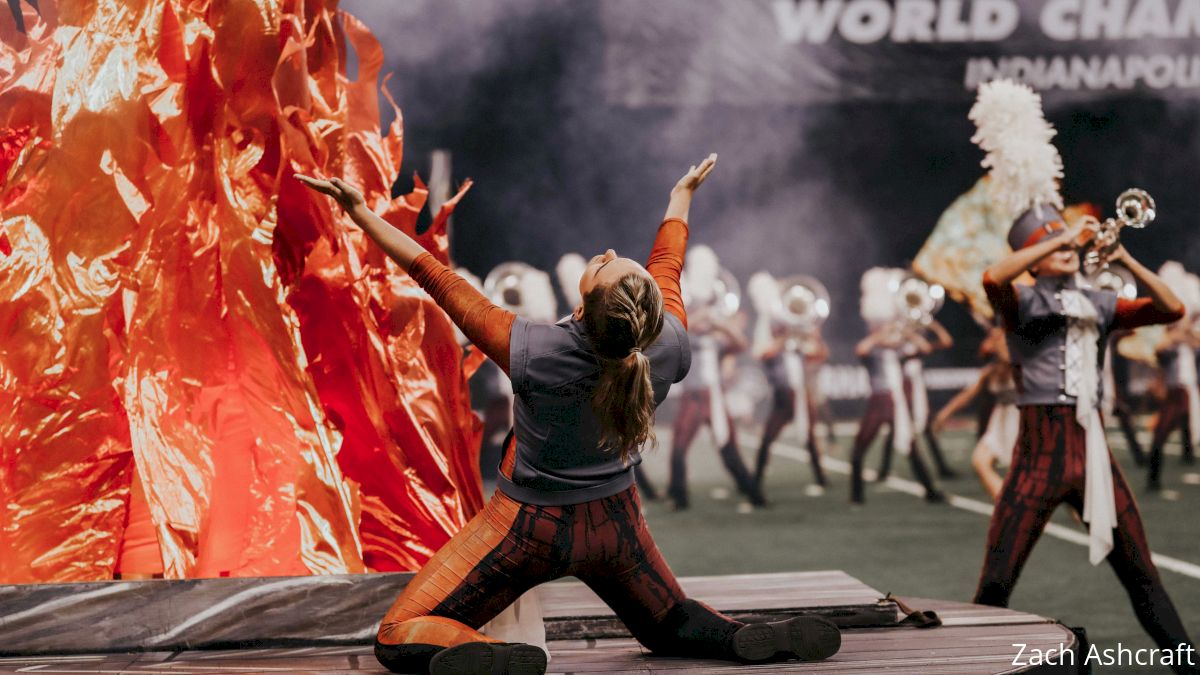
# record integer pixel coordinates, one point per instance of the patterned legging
(783, 409)
(694, 412)
(510, 547)
(880, 411)
(931, 442)
(1048, 469)
(1173, 415)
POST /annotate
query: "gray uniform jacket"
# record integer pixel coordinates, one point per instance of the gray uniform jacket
(554, 371)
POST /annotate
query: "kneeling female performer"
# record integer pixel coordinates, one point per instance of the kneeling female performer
(585, 393)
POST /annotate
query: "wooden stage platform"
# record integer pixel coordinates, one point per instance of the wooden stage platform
(585, 637)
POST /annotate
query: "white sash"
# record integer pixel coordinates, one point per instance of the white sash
(1186, 363)
(914, 372)
(902, 431)
(1099, 502)
(710, 364)
(1108, 396)
(793, 365)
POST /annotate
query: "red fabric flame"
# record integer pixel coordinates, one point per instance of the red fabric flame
(173, 303)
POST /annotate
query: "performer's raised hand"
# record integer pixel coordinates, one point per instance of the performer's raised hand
(347, 196)
(696, 175)
(397, 245)
(1078, 235)
(1155, 288)
(681, 194)
(1119, 255)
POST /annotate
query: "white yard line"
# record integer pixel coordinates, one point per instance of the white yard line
(790, 451)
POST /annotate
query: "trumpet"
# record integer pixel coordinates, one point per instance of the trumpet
(1135, 208)
(917, 301)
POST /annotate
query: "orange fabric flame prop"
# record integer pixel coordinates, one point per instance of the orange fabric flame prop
(173, 303)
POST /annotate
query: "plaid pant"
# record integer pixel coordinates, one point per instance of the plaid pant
(695, 412)
(1173, 415)
(1048, 468)
(783, 409)
(880, 411)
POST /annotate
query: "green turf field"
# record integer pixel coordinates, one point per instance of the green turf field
(898, 543)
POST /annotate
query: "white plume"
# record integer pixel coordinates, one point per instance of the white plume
(700, 270)
(763, 292)
(1182, 283)
(1024, 165)
(538, 297)
(569, 271)
(879, 286)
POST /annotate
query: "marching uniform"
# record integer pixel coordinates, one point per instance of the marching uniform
(703, 402)
(887, 405)
(917, 396)
(1180, 410)
(565, 505)
(1116, 395)
(1004, 420)
(1056, 333)
(789, 373)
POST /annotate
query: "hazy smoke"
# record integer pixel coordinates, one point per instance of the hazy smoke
(575, 117)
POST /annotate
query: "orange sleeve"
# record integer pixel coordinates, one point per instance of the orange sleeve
(666, 264)
(487, 326)
(1003, 298)
(1141, 312)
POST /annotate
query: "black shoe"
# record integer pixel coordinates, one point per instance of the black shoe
(947, 474)
(485, 658)
(807, 638)
(935, 497)
(757, 499)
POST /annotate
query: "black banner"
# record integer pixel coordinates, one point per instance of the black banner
(822, 51)
(841, 124)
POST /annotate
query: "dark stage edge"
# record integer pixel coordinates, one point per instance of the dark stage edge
(972, 639)
(346, 610)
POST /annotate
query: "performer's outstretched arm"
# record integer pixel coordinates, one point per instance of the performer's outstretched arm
(961, 399)
(1160, 306)
(681, 194)
(999, 277)
(398, 246)
(923, 346)
(666, 257)
(873, 339)
(486, 325)
(1007, 269)
(943, 338)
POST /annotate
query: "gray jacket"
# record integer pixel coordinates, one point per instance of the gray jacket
(1038, 343)
(554, 371)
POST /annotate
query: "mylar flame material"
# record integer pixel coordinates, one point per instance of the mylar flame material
(173, 302)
